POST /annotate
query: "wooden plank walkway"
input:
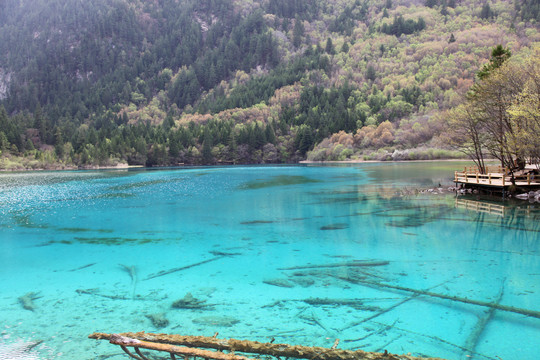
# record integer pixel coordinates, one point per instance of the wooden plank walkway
(496, 177)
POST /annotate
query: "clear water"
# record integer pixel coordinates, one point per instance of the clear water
(106, 250)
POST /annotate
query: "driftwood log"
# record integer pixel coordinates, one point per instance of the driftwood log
(170, 271)
(171, 344)
(496, 306)
(338, 265)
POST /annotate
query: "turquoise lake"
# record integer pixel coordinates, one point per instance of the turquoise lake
(303, 254)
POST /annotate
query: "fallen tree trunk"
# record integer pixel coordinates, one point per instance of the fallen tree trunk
(478, 329)
(124, 341)
(342, 264)
(251, 347)
(526, 312)
(170, 271)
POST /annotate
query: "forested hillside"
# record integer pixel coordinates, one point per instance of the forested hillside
(167, 82)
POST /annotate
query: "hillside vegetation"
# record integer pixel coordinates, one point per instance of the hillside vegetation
(168, 82)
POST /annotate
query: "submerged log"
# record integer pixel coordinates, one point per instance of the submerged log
(385, 310)
(342, 264)
(170, 271)
(476, 333)
(252, 347)
(526, 312)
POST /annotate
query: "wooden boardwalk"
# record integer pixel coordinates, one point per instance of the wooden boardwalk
(496, 177)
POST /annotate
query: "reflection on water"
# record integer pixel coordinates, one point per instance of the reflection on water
(302, 254)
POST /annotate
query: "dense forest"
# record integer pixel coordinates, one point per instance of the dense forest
(169, 82)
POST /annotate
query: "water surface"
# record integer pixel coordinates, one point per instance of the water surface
(301, 254)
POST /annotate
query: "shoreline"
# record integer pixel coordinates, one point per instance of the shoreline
(125, 166)
(358, 161)
(74, 168)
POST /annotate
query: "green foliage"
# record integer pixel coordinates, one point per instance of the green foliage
(498, 56)
(529, 9)
(218, 81)
(486, 12)
(260, 89)
(347, 20)
(401, 26)
(293, 8)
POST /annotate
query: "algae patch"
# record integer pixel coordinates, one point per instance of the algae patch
(135, 185)
(114, 240)
(282, 180)
(256, 222)
(339, 226)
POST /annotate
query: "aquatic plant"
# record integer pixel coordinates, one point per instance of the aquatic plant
(339, 226)
(158, 320)
(135, 185)
(132, 272)
(27, 300)
(190, 302)
(256, 222)
(281, 180)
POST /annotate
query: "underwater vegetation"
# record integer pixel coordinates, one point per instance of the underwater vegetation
(25, 221)
(257, 222)
(132, 272)
(158, 320)
(135, 185)
(416, 217)
(114, 240)
(116, 195)
(339, 226)
(27, 300)
(80, 230)
(191, 302)
(281, 180)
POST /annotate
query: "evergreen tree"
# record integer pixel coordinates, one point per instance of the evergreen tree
(371, 74)
(298, 32)
(207, 156)
(329, 48)
(499, 55)
(486, 12)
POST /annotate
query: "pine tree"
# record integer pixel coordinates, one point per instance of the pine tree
(329, 48)
(298, 32)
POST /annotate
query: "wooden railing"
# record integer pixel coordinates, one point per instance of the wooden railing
(499, 177)
(489, 169)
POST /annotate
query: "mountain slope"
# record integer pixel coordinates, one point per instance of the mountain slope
(167, 82)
